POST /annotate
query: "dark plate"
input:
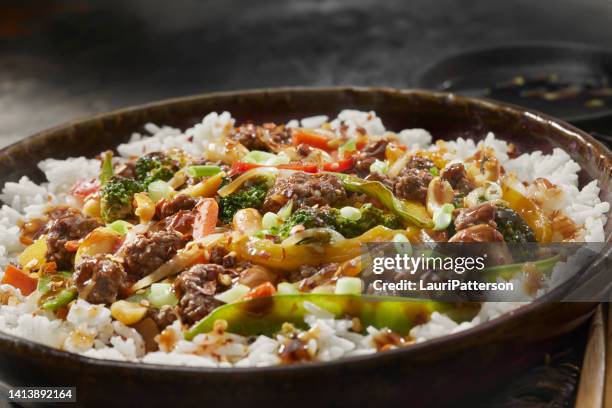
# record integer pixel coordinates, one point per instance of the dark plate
(459, 367)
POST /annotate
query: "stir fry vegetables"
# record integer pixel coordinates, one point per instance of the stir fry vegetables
(249, 197)
(267, 315)
(117, 196)
(409, 212)
(154, 167)
(19, 279)
(259, 226)
(358, 222)
(508, 272)
(529, 211)
(290, 257)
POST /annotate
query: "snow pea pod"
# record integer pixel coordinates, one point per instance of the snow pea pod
(410, 212)
(508, 272)
(267, 315)
(60, 300)
(290, 257)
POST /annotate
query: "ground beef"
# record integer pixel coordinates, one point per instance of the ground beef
(279, 134)
(196, 288)
(217, 253)
(67, 226)
(313, 276)
(149, 251)
(382, 178)
(457, 177)
(412, 184)
(166, 208)
(99, 279)
(370, 153)
(303, 149)
(480, 214)
(163, 317)
(181, 222)
(478, 233)
(420, 163)
(305, 190)
(251, 137)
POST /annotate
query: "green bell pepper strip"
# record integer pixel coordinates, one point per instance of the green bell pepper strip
(267, 315)
(508, 272)
(202, 170)
(60, 300)
(43, 285)
(106, 171)
(44, 282)
(409, 212)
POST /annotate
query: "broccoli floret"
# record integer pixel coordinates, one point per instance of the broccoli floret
(370, 218)
(328, 217)
(310, 218)
(154, 167)
(250, 197)
(512, 226)
(117, 196)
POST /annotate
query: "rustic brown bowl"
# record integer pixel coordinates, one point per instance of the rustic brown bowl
(455, 368)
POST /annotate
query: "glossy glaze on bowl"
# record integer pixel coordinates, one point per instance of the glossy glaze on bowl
(462, 366)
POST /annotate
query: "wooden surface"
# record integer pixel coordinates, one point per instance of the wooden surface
(592, 379)
(608, 380)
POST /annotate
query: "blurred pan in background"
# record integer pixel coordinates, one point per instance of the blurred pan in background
(570, 81)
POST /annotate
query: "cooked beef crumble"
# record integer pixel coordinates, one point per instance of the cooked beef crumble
(99, 279)
(369, 154)
(457, 177)
(165, 208)
(420, 163)
(305, 190)
(163, 317)
(251, 137)
(412, 184)
(149, 251)
(196, 288)
(481, 214)
(312, 276)
(69, 225)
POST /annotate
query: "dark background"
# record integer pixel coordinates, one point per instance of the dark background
(64, 59)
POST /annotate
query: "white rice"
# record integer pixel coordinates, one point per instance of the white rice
(90, 331)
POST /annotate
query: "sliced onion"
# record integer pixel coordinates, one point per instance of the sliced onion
(182, 260)
(267, 172)
(474, 197)
(348, 285)
(233, 294)
(313, 233)
(399, 165)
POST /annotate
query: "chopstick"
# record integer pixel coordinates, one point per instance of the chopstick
(593, 372)
(608, 383)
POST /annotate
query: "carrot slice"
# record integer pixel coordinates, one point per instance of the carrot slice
(264, 290)
(206, 218)
(311, 139)
(16, 277)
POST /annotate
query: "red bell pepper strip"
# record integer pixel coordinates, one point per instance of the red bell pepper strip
(84, 187)
(339, 166)
(17, 278)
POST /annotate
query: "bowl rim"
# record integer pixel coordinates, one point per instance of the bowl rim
(34, 349)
